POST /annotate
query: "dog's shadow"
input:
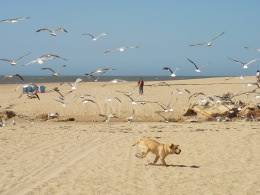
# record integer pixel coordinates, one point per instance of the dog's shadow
(172, 165)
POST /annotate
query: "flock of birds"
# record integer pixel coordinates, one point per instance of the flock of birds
(101, 71)
(95, 37)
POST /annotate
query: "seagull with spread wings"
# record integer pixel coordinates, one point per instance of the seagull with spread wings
(210, 42)
(14, 61)
(53, 32)
(15, 75)
(173, 72)
(95, 37)
(54, 73)
(74, 85)
(14, 20)
(243, 64)
(98, 72)
(196, 66)
(44, 58)
(120, 49)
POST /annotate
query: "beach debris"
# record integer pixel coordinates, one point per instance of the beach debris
(108, 117)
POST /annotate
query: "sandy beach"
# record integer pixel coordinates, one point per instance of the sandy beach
(88, 156)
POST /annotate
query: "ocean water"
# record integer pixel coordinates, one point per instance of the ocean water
(51, 79)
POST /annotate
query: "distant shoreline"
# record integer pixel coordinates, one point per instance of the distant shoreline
(51, 79)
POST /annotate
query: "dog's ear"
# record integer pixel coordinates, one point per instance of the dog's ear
(171, 146)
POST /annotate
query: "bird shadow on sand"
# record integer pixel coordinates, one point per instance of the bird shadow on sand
(172, 165)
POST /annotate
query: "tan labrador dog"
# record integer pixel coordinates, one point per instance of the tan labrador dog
(160, 150)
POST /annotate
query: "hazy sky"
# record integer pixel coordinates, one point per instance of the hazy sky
(162, 29)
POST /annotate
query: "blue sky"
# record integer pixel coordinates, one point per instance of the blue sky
(162, 29)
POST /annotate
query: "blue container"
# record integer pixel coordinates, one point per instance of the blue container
(41, 89)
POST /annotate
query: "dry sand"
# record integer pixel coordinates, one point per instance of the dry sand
(97, 158)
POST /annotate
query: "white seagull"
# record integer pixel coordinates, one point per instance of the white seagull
(120, 49)
(74, 85)
(173, 73)
(15, 75)
(244, 64)
(248, 48)
(98, 72)
(196, 66)
(95, 37)
(44, 58)
(14, 61)
(54, 73)
(52, 32)
(14, 20)
(210, 42)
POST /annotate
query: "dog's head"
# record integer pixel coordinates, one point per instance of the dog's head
(174, 149)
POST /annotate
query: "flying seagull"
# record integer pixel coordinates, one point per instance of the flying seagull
(95, 37)
(74, 85)
(98, 72)
(14, 20)
(173, 73)
(118, 81)
(14, 61)
(15, 75)
(248, 48)
(244, 64)
(53, 32)
(44, 58)
(52, 71)
(210, 42)
(196, 66)
(120, 49)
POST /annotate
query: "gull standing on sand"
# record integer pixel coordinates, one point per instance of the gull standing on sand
(44, 58)
(173, 73)
(210, 42)
(196, 66)
(244, 64)
(120, 49)
(14, 61)
(53, 32)
(54, 73)
(14, 20)
(95, 37)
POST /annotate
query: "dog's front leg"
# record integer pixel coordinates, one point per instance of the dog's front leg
(163, 162)
(156, 159)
